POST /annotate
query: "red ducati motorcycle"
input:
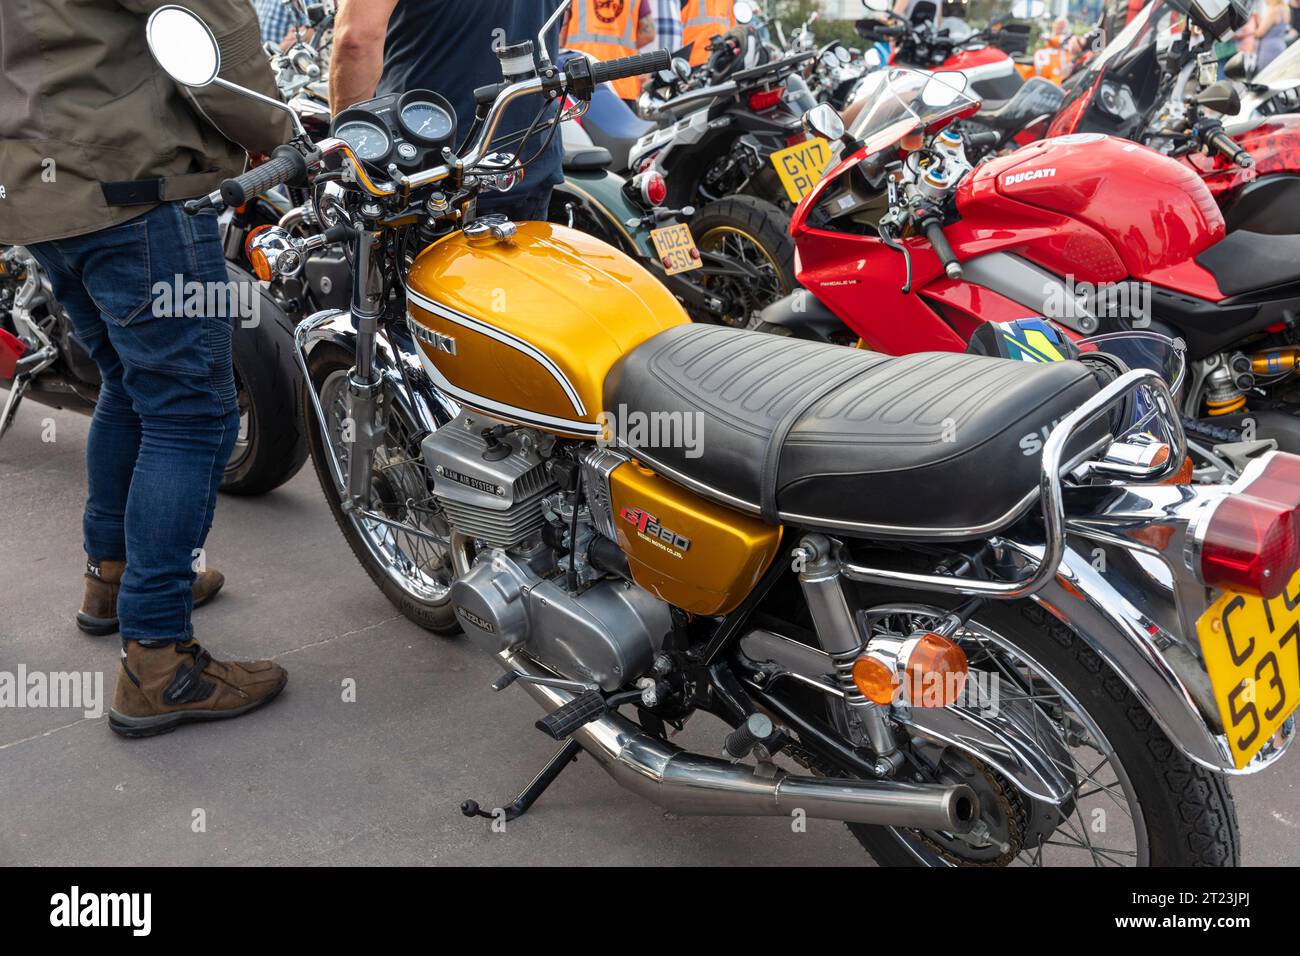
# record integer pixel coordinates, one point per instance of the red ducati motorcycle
(1157, 83)
(905, 247)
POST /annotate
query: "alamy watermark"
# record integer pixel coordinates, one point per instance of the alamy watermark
(638, 429)
(241, 301)
(72, 690)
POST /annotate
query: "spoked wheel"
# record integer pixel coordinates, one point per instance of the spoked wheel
(404, 541)
(1132, 800)
(754, 236)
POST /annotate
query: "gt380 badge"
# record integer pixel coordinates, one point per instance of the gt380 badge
(648, 527)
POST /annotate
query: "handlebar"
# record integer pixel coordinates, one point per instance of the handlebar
(934, 232)
(628, 66)
(286, 166)
(1222, 143)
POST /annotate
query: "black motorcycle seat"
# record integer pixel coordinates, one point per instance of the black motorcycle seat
(840, 439)
(586, 158)
(1251, 261)
(1037, 97)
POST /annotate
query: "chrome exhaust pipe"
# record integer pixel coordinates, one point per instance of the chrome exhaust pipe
(693, 784)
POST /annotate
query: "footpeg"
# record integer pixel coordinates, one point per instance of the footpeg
(583, 709)
(740, 743)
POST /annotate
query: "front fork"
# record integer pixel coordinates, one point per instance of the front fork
(366, 433)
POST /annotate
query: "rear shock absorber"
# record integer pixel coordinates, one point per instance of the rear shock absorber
(1227, 384)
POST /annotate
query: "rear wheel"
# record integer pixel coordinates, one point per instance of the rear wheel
(405, 547)
(1134, 800)
(754, 236)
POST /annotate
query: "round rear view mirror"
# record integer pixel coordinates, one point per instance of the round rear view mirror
(743, 10)
(183, 46)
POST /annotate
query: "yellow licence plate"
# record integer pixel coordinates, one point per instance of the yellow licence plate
(676, 248)
(802, 166)
(1252, 651)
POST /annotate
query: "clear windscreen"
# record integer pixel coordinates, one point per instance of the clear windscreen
(900, 101)
(1141, 350)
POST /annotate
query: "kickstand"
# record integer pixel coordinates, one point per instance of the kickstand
(17, 388)
(536, 787)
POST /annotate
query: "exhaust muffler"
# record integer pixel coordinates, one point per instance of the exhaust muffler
(694, 784)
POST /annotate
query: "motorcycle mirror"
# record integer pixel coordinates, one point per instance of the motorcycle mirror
(823, 121)
(942, 89)
(743, 10)
(1220, 97)
(183, 46)
(543, 55)
(877, 6)
(1235, 68)
(682, 67)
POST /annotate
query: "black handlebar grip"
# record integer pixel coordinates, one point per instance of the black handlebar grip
(983, 139)
(934, 232)
(1229, 147)
(286, 166)
(626, 66)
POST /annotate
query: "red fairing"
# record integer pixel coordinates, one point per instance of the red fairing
(1275, 146)
(973, 59)
(1149, 212)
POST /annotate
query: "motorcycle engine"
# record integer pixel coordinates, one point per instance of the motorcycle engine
(502, 490)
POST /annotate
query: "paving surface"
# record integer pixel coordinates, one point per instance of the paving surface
(314, 779)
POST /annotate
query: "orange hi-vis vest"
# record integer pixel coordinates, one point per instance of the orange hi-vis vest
(606, 29)
(702, 20)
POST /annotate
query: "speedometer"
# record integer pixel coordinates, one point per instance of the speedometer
(425, 121)
(368, 140)
(426, 118)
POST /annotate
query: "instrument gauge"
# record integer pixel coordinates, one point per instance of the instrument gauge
(368, 140)
(426, 118)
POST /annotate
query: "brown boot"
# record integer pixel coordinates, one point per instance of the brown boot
(163, 686)
(98, 614)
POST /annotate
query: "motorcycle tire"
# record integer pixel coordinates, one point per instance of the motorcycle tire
(437, 616)
(755, 225)
(1188, 812)
(273, 446)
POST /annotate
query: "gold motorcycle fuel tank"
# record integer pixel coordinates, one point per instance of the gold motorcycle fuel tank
(526, 329)
(700, 556)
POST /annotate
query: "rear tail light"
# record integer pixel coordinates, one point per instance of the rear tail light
(765, 99)
(1252, 542)
(794, 139)
(654, 188)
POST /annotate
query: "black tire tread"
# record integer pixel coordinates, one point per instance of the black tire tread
(280, 447)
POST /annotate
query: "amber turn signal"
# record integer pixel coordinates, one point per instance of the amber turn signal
(875, 679)
(936, 672)
(256, 257)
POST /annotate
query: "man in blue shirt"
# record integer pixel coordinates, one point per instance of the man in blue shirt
(388, 46)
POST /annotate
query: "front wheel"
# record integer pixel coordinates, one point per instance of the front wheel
(404, 544)
(1134, 799)
(752, 239)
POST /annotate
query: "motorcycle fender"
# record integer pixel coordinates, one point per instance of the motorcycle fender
(603, 192)
(1165, 682)
(395, 361)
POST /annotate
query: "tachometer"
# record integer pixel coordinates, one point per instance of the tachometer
(368, 140)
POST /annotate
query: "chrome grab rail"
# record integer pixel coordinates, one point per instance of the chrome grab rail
(1051, 495)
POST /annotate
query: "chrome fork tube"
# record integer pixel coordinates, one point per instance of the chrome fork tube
(367, 432)
(838, 634)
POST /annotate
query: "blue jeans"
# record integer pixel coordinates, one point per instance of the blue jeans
(167, 417)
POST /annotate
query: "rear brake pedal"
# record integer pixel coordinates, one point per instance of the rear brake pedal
(578, 712)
